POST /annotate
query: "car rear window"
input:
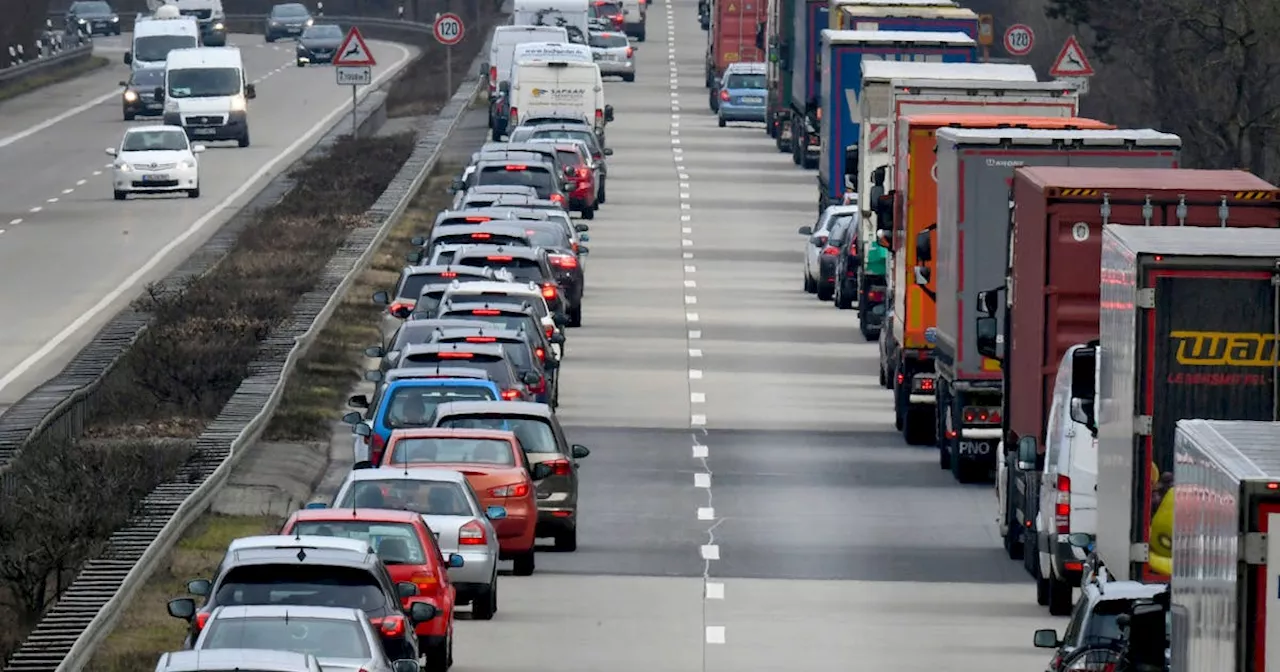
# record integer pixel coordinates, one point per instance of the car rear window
(412, 405)
(572, 134)
(546, 238)
(479, 238)
(320, 637)
(395, 543)
(518, 352)
(603, 9)
(444, 450)
(609, 41)
(534, 433)
(431, 498)
(744, 82)
(522, 268)
(508, 321)
(453, 220)
(538, 177)
(496, 367)
(296, 583)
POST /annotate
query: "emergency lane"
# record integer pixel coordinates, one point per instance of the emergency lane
(79, 256)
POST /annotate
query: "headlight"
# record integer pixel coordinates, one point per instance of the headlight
(130, 96)
(310, 21)
(237, 104)
(188, 163)
(123, 167)
(218, 26)
(115, 19)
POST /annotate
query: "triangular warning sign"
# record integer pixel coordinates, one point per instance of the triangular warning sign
(353, 50)
(1071, 61)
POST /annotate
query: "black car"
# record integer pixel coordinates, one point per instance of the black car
(319, 43)
(287, 20)
(491, 357)
(562, 254)
(92, 17)
(542, 176)
(521, 348)
(139, 96)
(526, 264)
(572, 132)
(843, 227)
(848, 265)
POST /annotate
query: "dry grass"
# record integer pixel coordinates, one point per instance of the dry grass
(62, 74)
(146, 630)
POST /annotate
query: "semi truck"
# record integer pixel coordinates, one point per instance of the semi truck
(1226, 565)
(1054, 243)
(843, 52)
(777, 41)
(809, 20)
(732, 38)
(861, 14)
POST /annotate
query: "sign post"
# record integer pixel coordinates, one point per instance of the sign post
(1019, 39)
(354, 63)
(1072, 65)
(448, 31)
(986, 34)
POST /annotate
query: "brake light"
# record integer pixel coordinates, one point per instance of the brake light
(482, 236)
(975, 415)
(875, 296)
(560, 468)
(425, 581)
(498, 257)
(724, 95)
(481, 339)
(391, 626)
(831, 251)
(631, 51)
(548, 291)
(557, 198)
(456, 355)
(471, 534)
(398, 306)
(584, 172)
(921, 385)
(484, 311)
(517, 167)
(599, 113)
(493, 77)
(510, 395)
(1062, 509)
(550, 330)
(377, 444)
(540, 387)
(542, 354)
(477, 219)
(566, 261)
(202, 619)
(513, 117)
(514, 490)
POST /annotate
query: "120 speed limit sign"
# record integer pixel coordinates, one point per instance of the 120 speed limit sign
(1018, 40)
(448, 29)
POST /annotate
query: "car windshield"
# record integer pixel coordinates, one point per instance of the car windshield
(537, 177)
(608, 40)
(303, 585)
(92, 8)
(744, 82)
(395, 543)
(148, 78)
(320, 637)
(412, 405)
(431, 498)
(523, 269)
(602, 9)
(291, 10)
(154, 141)
(441, 450)
(152, 48)
(326, 32)
(534, 433)
(204, 82)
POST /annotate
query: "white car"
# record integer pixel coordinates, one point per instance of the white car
(825, 238)
(155, 159)
(614, 54)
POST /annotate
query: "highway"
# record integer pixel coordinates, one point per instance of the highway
(70, 256)
(747, 506)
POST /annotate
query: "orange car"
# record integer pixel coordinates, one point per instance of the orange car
(497, 469)
(408, 548)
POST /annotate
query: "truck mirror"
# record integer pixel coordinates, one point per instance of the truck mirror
(877, 176)
(1148, 637)
(851, 162)
(1083, 371)
(1082, 412)
(989, 302)
(760, 36)
(924, 246)
(1027, 453)
(987, 338)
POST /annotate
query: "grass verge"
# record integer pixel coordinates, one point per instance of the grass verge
(29, 84)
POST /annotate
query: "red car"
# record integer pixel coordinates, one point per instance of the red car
(496, 467)
(580, 172)
(408, 548)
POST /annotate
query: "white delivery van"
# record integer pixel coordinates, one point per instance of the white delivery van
(209, 14)
(155, 36)
(502, 51)
(570, 14)
(545, 52)
(635, 13)
(557, 85)
(206, 93)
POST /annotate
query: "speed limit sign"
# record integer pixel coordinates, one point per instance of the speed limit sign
(1019, 39)
(448, 29)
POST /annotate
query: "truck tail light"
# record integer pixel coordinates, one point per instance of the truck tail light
(557, 198)
(830, 251)
(981, 415)
(875, 296)
(1062, 506)
(471, 534)
(922, 384)
(513, 117)
(493, 77)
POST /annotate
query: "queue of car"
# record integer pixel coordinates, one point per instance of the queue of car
(459, 461)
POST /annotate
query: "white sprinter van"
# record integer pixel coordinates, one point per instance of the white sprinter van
(502, 52)
(634, 14)
(154, 37)
(558, 85)
(206, 93)
(570, 14)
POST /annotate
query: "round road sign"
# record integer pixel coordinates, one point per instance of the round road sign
(1019, 39)
(448, 29)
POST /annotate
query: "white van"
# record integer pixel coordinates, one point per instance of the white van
(212, 20)
(506, 39)
(545, 52)
(571, 14)
(155, 37)
(635, 13)
(557, 85)
(206, 93)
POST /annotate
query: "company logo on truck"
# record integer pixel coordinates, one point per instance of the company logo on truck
(1222, 349)
(558, 93)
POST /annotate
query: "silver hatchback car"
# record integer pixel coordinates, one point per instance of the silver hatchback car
(614, 54)
(453, 512)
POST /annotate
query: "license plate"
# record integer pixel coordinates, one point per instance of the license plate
(204, 131)
(753, 99)
(975, 448)
(155, 178)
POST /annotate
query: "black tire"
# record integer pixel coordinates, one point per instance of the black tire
(439, 656)
(917, 427)
(640, 37)
(575, 316)
(810, 287)
(1012, 535)
(808, 163)
(485, 603)
(129, 116)
(1060, 602)
(825, 291)
(120, 195)
(722, 122)
(1042, 584)
(844, 299)
(302, 64)
(629, 78)
(797, 145)
(525, 563)
(588, 213)
(944, 459)
(194, 193)
(600, 195)
(567, 542)
(884, 380)
(269, 38)
(244, 139)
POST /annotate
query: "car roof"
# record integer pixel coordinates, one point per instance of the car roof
(428, 348)
(497, 189)
(483, 286)
(447, 433)
(321, 556)
(294, 610)
(505, 226)
(432, 323)
(410, 474)
(507, 199)
(152, 128)
(1121, 590)
(433, 376)
(259, 660)
(562, 127)
(443, 268)
(513, 147)
(746, 68)
(295, 542)
(501, 251)
(510, 408)
(488, 211)
(345, 514)
(508, 155)
(510, 308)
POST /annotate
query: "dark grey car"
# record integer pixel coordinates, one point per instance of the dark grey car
(287, 20)
(92, 17)
(318, 44)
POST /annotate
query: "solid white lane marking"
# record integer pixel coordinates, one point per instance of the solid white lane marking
(695, 374)
(710, 552)
(695, 335)
(40, 356)
(697, 398)
(698, 420)
(38, 208)
(715, 590)
(715, 634)
(694, 352)
(15, 221)
(706, 513)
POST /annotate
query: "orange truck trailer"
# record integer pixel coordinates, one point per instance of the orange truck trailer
(907, 346)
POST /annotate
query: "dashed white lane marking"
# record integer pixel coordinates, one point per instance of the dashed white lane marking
(698, 420)
(706, 513)
(710, 552)
(16, 221)
(695, 334)
(690, 283)
(697, 398)
(715, 634)
(694, 352)
(80, 183)
(690, 269)
(690, 300)
(688, 255)
(1, 230)
(67, 191)
(38, 208)
(699, 451)
(691, 317)
(702, 479)
(686, 242)
(52, 200)
(97, 172)
(695, 374)
(686, 230)
(715, 590)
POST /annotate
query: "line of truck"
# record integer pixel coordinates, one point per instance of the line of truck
(1060, 312)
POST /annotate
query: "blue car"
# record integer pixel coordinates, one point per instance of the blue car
(401, 404)
(741, 93)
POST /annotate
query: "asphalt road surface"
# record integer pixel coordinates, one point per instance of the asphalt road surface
(70, 256)
(747, 506)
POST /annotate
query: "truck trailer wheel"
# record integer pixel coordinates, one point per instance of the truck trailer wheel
(809, 162)
(1059, 597)
(798, 144)
(918, 425)
(1012, 529)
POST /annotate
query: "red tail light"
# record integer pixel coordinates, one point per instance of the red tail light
(584, 172)
(560, 468)
(448, 274)
(481, 236)
(498, 257)
(549, 291)
(481, 339)
(557, 198)
(599, 114)
(493, 77)
(513, 117)
(477, 219)
(377, 444)
(398, 306)
(831, 251)
(510, 395)
(1062, 508)
(517, 167)
(391, 626)
(631, 51)
(542, 354)
(202, 619)
(724, 95)
(565, 261)
(978, 415)
(425, 580)
(550, 330)
(456, 355)
(513, 490)
(875, 296)
(540, 387)
(471, 534)
(485, 311)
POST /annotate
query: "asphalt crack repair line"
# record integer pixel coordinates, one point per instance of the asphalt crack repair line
(701, 452)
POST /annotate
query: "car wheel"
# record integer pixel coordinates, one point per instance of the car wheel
(524, 563)
(437, 655)
(721, 121)
(575, 316)
(120, 195)
(129, 116)
(567, 542)
(1059, 597)
(600, 194)
(809, 163)
(1042, 584)
(809, 285)
(302, 64)
(194, 193)
(844, 298)
(825, 291)
(244, 139)
(588, 213)
(485, 602)
(270, 38)
(629, 78)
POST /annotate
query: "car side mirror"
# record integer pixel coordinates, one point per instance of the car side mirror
(111, 151)
(570, 171)
(579, 451)
(199, 587)
(530, 378)
(987, 338)
(250, 91)
(1046, 639)
(381, 298)
(608, 113)
(557, 339)
(316, 505)
(456, 186)
(495, 512)
(158, 93)
(406, 589)
(122, 82)
(358, 401)
(362, 430)
(182, 607)
(1027, 453)
(581, 228)
(805, 230)
(352, 418)
(585, 237)
(406, 665)
(566, 186)
(414, 257)
(608, 151)
(128, 58)
(456, 561)
(374, 376)
(362, 464)
(374, 351)
(540, 471)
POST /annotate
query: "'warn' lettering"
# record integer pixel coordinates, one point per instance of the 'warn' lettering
(1224, 348)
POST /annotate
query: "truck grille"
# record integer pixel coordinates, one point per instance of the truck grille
(205, 120)
(201, 14)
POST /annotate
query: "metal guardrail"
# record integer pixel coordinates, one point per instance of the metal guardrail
(66, 638)
(52, 51)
